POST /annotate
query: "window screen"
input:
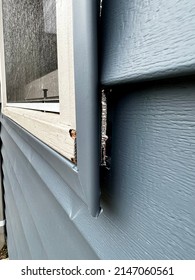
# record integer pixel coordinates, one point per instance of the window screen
(30, 41)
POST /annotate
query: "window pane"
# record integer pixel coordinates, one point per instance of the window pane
(30, 50)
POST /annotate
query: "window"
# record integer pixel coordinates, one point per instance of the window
(49, 81)
(39, 71)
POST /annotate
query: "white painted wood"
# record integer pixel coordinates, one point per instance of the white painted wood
(66, 61)
(49, 107)
(45, 126)
(2, 223)
(52, 129)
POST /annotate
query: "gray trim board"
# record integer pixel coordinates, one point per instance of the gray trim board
(85, 16)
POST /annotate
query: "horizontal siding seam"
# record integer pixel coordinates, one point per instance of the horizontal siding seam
(25, 203)
(46, 185)
(144, 77)
(16, 211)
(10, 238)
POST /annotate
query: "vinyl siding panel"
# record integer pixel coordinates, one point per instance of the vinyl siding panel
(144, 40)
(153, 165)
(149, 193)
(36, 217)
(147, 200)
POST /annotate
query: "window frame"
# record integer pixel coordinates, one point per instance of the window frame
(78, 21)
(27, 114)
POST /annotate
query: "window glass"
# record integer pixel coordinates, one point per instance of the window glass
(30, 41)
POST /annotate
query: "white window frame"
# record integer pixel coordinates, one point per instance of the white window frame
(52, 129)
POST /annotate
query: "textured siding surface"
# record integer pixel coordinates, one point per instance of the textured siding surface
(148, 197)
(153, 168)
(39, 204)
(147, 39)
(148, 201)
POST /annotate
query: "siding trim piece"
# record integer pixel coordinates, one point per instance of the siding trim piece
(86, 90)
